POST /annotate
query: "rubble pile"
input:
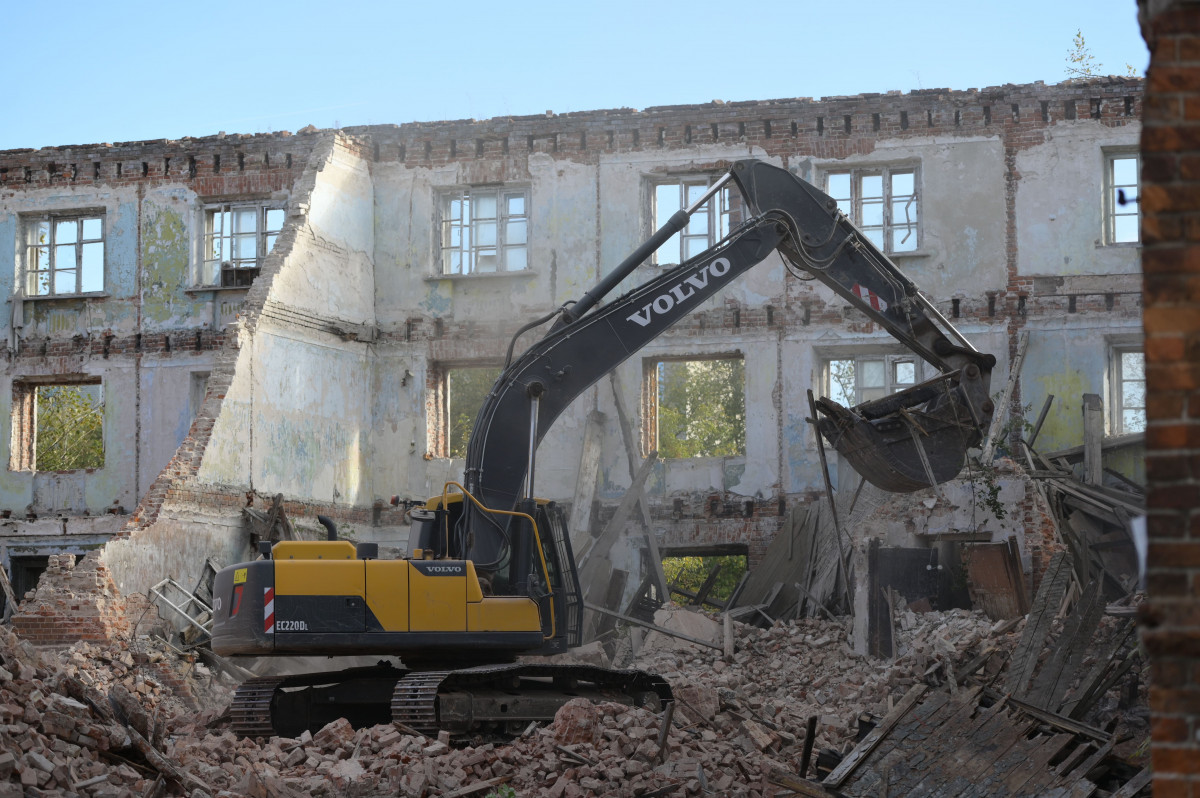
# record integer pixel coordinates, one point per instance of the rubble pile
(110, 721)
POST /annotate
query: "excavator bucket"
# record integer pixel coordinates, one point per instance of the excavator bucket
(904, 442)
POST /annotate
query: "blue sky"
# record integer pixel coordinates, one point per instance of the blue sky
(96, 72)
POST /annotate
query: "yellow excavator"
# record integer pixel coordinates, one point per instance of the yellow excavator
(489, 575)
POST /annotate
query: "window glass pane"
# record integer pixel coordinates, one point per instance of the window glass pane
(41, 258)
(40, 233)
(246, 247)
(841, 381)
(1125, 229)
(245, 220)
(1124, 171)
(870, 373)
(454, 264)
(215, 249)
(871, 394)
(666, 202)
(695, 246)
(454, 212)
(485, 206)
(211, 270)
(64, 257)
(1133, 366)
(485, 234)
(902, 184)
(1133, 394)
(694, 192)
(875, 236)
(906, 373)
(839, 186)
(904, 239)
(1126, 199)
(271, 242)
(872, 187)
(516, 204)
(93, 267)
(515, 259)
(39, 284)
(275, 219)
(66, 232)
(514, 232)
(872, 214)
(698, 224)
(486, 260)
(93, 229)
(1133, 421)
(64, 281)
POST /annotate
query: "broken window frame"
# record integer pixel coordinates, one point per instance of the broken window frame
(45, 251)
(898, 231)
(652, 400)
(26, 426)
(1127, 417)
(894, 368)
(218, 271)
(712, 222)
(460, 251)
(1116, 215)
(440, 406)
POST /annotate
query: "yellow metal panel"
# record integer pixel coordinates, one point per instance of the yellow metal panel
(313, 550)
(319, 578)
(503, 614)
(437, 603)
(474, 591)
(387, 593)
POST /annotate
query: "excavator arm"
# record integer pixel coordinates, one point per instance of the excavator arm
(903, 442)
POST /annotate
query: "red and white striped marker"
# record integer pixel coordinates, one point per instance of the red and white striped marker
(269, 610)
(873, 300)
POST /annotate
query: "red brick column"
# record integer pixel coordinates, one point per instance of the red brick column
(1171, 266)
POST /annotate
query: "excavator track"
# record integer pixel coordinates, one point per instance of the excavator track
(495, 699)
(414, 701)
(250, 709)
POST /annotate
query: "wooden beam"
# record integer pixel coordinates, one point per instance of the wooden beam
(1093, 437)
(1014, 373)
(838, 776)
(580, 523)
(655, 627)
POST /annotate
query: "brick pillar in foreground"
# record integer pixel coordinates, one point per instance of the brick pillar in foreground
(1171, 267)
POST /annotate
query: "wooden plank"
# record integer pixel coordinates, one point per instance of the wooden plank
(934, 732)
(1134, 785)
(1035, 766)
(837, 524)
(585, 483)
(1069, 650)
(800, 786)
(1045, 605)
(1052, 719)
(1095, 675)
(638, 622)
(979, 755)
(838, 775)
(1002, 407)
(707, 587)
(1113, 442)
(1037, 427)
(1093, 435)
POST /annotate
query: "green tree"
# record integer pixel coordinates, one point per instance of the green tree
(466, 390)
(701, 408)
(70, 427)
(690, 573)
(1081, 64)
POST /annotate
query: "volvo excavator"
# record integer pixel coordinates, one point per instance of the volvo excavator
(489, 576)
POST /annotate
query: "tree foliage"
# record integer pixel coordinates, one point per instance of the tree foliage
(1081, 64)
(466, 388)
(690, 573)
(701, 408)
(70, 427)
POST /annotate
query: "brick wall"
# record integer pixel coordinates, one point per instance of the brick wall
(1171, 266)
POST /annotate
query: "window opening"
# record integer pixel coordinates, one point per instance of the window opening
(236, 240)
(465, 391)
(696, 408)
(709, 224)
(1123, 208)
(58, 426)
(696, 579)
(1130, 384)
(65, 255)
(882, 203)
(484, 231)
(853, 380)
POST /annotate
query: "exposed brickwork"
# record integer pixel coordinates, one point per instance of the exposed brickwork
(73, 601)
(1171, 266)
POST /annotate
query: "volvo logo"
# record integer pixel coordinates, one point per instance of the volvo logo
(681, 291)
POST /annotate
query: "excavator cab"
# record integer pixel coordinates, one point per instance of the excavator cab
(535, 560)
